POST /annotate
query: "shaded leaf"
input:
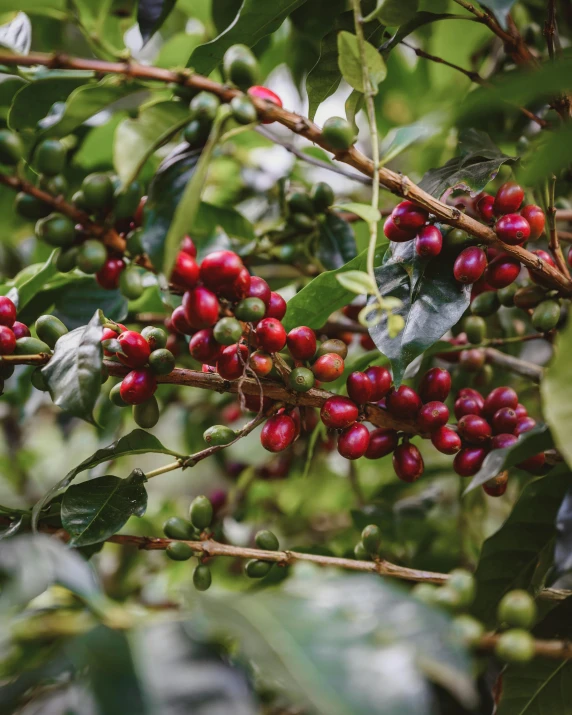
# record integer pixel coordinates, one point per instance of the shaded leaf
(232, 222)
(80, 296)
(336, 242)
(12, 528)
(351, 66)
(325, 76)
(32, 279)
(541, 686)
(364, 211)
(550, 154)
(151, 14)
(394, 12)
(563, 546)
(401, 138)
(556, 393)
(223, 13)
(420, 19)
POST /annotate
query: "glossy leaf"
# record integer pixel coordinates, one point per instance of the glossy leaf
(542, 686)
(350, 62)
(563, 546)
(395, 12)
(151, 14)
(33, 278)
(232, 222)
(223, 13)
(401, 138)
(358, 282)
(556, 393)
(336, 242)
(419, 20)
(95, 510)
(77, 299)
(365, 211)
(12, 528)
(73, 374)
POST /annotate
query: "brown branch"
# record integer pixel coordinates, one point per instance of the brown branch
(554, 649)
(550, 28)
(520, 367)
(394, 182)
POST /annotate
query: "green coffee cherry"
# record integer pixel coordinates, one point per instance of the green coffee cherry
(448, 598)
(266, 540)
(506, 295)
(243, 111)
(302, 222)
(529, 297)
(146, 414)
(425, 592)
(485, 304)
(476, 329)
(546, 316)
(91, 256)
(360, 552)
(371, 539)
(300, 203)
(50, 157)
(240, 66)
(227, 331)
(179, 551)
(196, 132)
(78, 199)
(55, 185)
(257, 569)
(332, 345)
(162, 361)
(204, 107)
(133, 243)
(38, 381)
(31, 346)
(57, 230)
(125, 203)
(97, 191)
(250, 309)
(322, 196)
(202, 578)
(104, 374)
(31, 207)
(457, 239)
(201, 513)
(115, 396)
(6, 371)
(485, 376)
(469, 629)
(287, 253)
(50, 329)
(517, 609)
(218, 435)
(338, 133)
(156, 337)
(463, 582)
(515, 646)
(131, 283)
(11, 150)
(301, 379)
(177, 528)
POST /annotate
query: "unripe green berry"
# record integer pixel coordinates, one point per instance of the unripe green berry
(177, 528)
(179, 551)
(11, 149)
(475, 328)
(457, 239)
(146, 414)
(332, 345)
(30, 207)
(204, 107)
(469, 629)
(517, 609)
(240, 66)
(250, 309)
(38, 381)
(266, 540)
(322, 196)
(156, 337)
(201, 513)
(360, 552)
(219, 435)
(66, 260)
(301, 379)
(546, 315)
(97, 191)
(202, 577)
(227, 331)
(31, 346)
(448, 598)
(485, 304)
(425, 592)
(56, 229)
(91, 256)
(133, 243)
(50, 329)
(115, 396)
(56, 185)
(196, 132)
(463, 582)
(50, 157)
(338, 133)
(257, 569)
(162, 361)
(302, 222)
(125, 203)
(131, 283)
(515, 646)
(300, 203)
(243, 111)
(371, 539)
(506, 295)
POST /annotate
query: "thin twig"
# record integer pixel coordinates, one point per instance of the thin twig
(520, 367)
(550, 28)
(554, 242)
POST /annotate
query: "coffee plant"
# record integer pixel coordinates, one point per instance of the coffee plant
(284, 297)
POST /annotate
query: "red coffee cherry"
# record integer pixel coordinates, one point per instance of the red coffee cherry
(270, 335)
(432, 416)
(185, 271)
(21, 331)
(138, 386)
(276, 306)
(512, 229)
(472, 360)
(366, 342)
(360, 387)
(470, 265)
(496, 486)
(201, 307)
(278, 433)
(7, 341)
(500, 397)
(484, 206)
(435, 385)
(353, 441)
(178, 321)
(504, 420)
(301, 343)
(238, 289)
(381, 443)
(203, 346)
(259, 288)
(537, 276)
(339, 412)
(429, 242)
(220, 268)
(188, 246)
(403, 402)
(521, 411)
(135, 348)
(502, 271)
(266, 94)
(108, 276)
(396, 234)
(261, 363)
(474, 429)
(524, 425)
(446, 440)
(467, 406)
(536, 219)
(471, 392)
(380, 378)
(7, 311)
(253, 403)
(534, 464)
(108, 334)
(328, 367)
(508, 199)
(408, 216)
(469, 460)
(231, 362)
(408, 462)
(502, 441)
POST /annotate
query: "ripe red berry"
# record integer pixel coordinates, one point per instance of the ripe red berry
(524, 425)
(339, 412)
(496, 486)
(536, 276)
(474, 429)
(380, 378)
(512, 229)
(432, 416)
(138, 386)
(435, 385)
(471, 392)
(270, 335)
(185, 271)
(360, 387)
(467, 405)
(534, 464)
(501, 441)
(504, 420)
(266, 94)
(502, 271)
(232, 361)
(278, 433)
(403, 402)
(521, 411)
(178, 321)
(328, 367)
(366, 342)
(276, 306)
(536, 219)
(135, 349)
(188, 246)
(7, 311)
(408, 216)
(381, 443)
(261, 363)
(470, 265)
(201, 307)
(301, 343)
(239, 287)
(396, 234)
(429, 242)
(108, 276)
(254, 403)
(408, 462)
(484, 206)
(259, 288)
(7, 341)
(23, 331)
(203, 346)
(220, 268)
(446, 440)
(108, 334)
(469, 460)
(472, 360)
(508, 199)
(499, 397)
(353, 441)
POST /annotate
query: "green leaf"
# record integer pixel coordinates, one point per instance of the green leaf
(419, 20)
(394, 12)
(95, 510)
(223, 13)
(549, 154)
(349, 59)
(500, 8)
(151, 14)
(530, 443)
(311, 641)
(73, 374)
(508, 557)
(336, 242)
(12, 528)
(478, 164)
(556, 393)
(358, 282)
(82, 295)
(541, 686)
(353, 105)
(365, 211)
(254, 21)
(325, 76)
(563, 545)
(232, 222)
(54, 8)
(399, 139)
(31, 285)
